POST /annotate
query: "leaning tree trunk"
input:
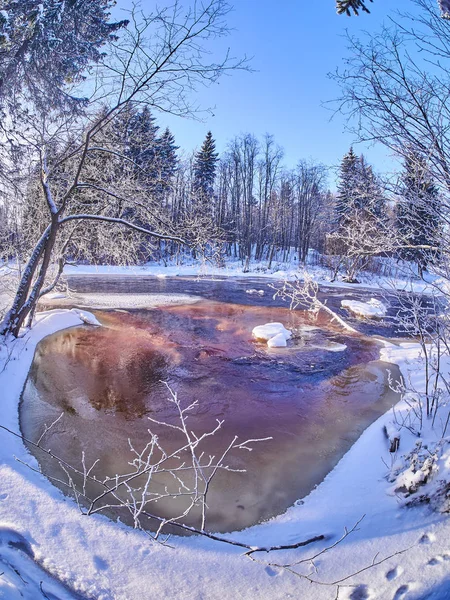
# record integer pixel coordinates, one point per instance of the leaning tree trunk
(28, 291)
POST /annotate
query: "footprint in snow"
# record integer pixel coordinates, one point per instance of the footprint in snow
(438, 559)
(394, 573)
(400, 593)
(427, 538)
(272, 572)
(361, 592)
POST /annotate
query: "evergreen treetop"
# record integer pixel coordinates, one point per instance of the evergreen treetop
(205, 167)
(358, 190)
(47, 44)
(418, 211)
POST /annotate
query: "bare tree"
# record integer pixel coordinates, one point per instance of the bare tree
(157, 62)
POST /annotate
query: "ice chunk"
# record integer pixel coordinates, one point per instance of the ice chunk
(270, 330)
(275, 334)
(374, 309)
(278, 341)
(330, 347)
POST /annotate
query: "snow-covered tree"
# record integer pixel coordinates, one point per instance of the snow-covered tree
(46, 45)
(373, 201)
(418, 212)
(143, 144)
(205, 165)
(167, 161)
(358, 190)
(349, 186)
(158, 61)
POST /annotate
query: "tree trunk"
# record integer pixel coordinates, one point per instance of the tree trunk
(25, 301)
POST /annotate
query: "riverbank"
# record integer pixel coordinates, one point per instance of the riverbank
(104, 560)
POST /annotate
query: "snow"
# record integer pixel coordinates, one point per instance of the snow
(87, 318)
(277, 341)
(55, 295)
(400, 279)
(330, 347)
(124, 301)
(104, 560)
(373, 309)
(275, 334)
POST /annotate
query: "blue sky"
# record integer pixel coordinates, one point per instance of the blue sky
(293, 49)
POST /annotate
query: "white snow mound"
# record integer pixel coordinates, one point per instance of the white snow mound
(331, 347)
(278, 341)
(373, 309)
(275, 333)
(87, 317)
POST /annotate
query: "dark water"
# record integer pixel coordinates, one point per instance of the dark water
(234, 290)
(107, 381)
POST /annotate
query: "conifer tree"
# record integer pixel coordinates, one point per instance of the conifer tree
(166, 162)
(347, 6)
(349, 187)
(359, 191)
(418, 212)
(373, 202)
(205, 168)
(143, 144)
(47, 44)
(167, 156)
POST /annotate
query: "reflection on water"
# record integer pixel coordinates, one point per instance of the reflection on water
(312, 400)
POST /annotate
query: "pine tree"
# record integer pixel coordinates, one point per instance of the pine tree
(166, 160)
(418, 212)
(346, 6)
(359, 191)
(349, 187)
(47, 44)
(143, 145)
(205, 168)
(373, 202)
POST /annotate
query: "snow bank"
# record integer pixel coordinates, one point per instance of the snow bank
(87, 318)
(288, 270)
(103, 560)
(275, 334)
(373, 309)
(122, 300)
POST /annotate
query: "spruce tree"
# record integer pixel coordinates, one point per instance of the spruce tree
(359, 192)
(346, 6)
(418, 212)
(205, 168)
(349, 187)
(47, 44)
(143, 145)
(166, 162)
(167, 156)
(372, 202)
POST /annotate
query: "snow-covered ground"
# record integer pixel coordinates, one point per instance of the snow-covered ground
(104, 560)
(400, 279)
(373, 309)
